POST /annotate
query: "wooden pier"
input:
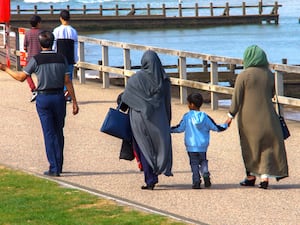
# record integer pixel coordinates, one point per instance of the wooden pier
(84, 19)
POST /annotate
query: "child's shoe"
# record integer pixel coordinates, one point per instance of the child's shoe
(196, 185)
(207, 182)
(263, 185)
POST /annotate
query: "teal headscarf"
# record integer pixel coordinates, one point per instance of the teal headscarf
(254, 56)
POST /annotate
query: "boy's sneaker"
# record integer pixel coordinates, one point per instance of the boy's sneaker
(196, 185)
(34, 94)
(207, 182)
(68, 97)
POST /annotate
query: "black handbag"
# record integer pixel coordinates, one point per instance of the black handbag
(285, 129)
(117, 124)
(126, 151)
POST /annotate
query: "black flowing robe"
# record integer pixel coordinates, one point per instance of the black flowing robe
(148, 95)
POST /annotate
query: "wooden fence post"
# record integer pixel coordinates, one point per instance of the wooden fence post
(127, 63)
(164, 10)
(132, 11)
(182, 75)
(260, 8)
(105, 77)
(214, 81)
(148, 9)
(179, 10)
(81, 59)
(226, 10)
(244, 8)
(275, 9)
(205, 65)
(211, 9)
(84, 9)
(279, 88)
(196, 10)
(101, 10)
(18, 61)
(117, 10)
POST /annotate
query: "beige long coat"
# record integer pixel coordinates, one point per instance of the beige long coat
(261, 138)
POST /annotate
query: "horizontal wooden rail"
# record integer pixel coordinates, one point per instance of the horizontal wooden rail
(212, 68)
(181, 82)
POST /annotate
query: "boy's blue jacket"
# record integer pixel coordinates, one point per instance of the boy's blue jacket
(197, 125)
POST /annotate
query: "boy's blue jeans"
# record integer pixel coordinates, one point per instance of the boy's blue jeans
(199, 165)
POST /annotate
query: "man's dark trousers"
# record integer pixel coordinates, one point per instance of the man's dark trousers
(51, 109)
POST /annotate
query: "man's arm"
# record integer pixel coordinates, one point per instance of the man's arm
(70, 88)
(18, 75)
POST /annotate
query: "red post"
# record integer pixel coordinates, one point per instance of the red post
(5, 18)
(4, 11)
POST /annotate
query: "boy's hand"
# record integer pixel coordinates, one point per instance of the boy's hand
(2, 67)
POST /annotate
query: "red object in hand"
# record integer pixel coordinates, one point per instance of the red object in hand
(4, 11)
(8, 62)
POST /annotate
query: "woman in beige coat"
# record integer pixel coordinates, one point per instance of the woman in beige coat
(261, 137)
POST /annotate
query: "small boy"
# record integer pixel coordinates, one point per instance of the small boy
(197, 125)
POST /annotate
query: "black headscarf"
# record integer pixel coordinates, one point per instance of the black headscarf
(145, 89)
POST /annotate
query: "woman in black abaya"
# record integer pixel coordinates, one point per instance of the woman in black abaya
(148, 95)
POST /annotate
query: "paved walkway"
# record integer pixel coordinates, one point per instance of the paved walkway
(91, 162)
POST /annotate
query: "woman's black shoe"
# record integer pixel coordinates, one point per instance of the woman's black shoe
(148, 187)
(263, 185)
(196, 185)
(247, 182)
(51, 174)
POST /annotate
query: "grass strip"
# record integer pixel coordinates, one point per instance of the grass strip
(26, 199)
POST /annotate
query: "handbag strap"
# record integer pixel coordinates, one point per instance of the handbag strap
(278, 105)
(119, 106)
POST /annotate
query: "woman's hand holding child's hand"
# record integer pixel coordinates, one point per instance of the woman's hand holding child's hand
(228, 121)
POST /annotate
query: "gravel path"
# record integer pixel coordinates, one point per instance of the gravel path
(92, 162)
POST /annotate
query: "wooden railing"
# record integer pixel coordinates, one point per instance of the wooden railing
(105, 69)
(211, 65)
(163, 10)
